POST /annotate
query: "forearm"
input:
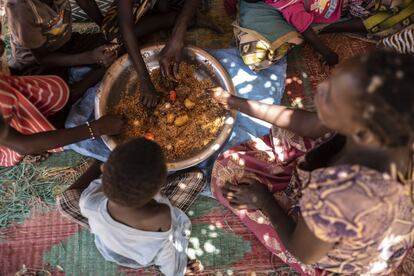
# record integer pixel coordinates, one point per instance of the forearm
(92, 173)
(301, 122)
(126, 24)
(64, 60)
(282, 223)
(184, 18)
(315, 41)
(43, 141)
(92, 10)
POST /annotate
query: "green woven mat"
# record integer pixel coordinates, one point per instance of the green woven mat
(213, 246)
(25, 186)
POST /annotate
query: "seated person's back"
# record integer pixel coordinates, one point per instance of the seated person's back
(133, 224)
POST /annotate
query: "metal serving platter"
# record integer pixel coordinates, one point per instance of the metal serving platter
(119, 80)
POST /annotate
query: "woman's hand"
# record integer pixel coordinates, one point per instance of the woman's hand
(170, 58)
(103, 55)
(330, 58)
(221, 96)
(108, 125)
(248, 194)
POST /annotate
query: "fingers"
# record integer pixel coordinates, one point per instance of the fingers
(230, 187)
(176, 68)
(248, 180)
(149, 100)
(239, 206)
(163, 67)
(169, 70)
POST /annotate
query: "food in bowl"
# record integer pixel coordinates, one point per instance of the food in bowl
(186, 119)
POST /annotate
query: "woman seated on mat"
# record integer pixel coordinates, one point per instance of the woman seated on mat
(43, 43)
(268, 29)
(28, 104)
(342, 203)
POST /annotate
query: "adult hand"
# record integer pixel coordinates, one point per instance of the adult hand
(330, 58)
(149, 95)
(248, 194)
(103, 55)
(221, 96)
(108, 125)
(170, 58)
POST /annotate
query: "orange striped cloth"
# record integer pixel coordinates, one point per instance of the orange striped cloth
(25, 104)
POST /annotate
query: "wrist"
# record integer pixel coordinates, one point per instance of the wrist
(231, 102)
(176, 39)
(89, 57)
(146, 83)
(93, 130)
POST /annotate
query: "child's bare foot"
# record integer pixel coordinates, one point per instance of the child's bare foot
(194, 267)
(36, 159)
(203, 21)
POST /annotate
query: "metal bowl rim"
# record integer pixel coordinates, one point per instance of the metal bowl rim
(202, 155)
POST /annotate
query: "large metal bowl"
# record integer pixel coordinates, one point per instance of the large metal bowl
(115, 84)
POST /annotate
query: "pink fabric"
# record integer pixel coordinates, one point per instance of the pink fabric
(301, 17)
(272, 161)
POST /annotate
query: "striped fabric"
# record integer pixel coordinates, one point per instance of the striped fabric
(79, 15)
(26, 102)
(402, 42)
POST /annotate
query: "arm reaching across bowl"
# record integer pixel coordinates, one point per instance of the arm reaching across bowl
(302, 122)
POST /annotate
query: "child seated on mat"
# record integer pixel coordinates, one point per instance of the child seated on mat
(134, 225)
(302, 14)
(43, 43)
(27, 106)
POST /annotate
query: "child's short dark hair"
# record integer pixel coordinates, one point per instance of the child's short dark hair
(134, 173)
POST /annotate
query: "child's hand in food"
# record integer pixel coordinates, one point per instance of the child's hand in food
(104, 55)
(221, 96)
(148, 95)
(108, 125)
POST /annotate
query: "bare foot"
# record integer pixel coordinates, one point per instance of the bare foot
(194, 267)
(203, 21)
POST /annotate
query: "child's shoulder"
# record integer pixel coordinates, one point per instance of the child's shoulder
(162, 217)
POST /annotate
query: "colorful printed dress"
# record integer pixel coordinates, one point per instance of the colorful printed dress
(368, 215)
(25, 103)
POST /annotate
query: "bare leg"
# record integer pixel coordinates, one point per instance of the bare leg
(354, 25)
(76, 92)
(149, 24)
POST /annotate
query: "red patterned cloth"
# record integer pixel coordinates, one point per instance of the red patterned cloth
(26, 102)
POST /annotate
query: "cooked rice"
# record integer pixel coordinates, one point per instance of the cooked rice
(205, 118)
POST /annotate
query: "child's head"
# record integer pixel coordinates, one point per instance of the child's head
(134, 173)
(371, 98)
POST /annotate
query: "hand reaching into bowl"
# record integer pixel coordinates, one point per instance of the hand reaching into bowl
(221, 96)
(108, 125)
